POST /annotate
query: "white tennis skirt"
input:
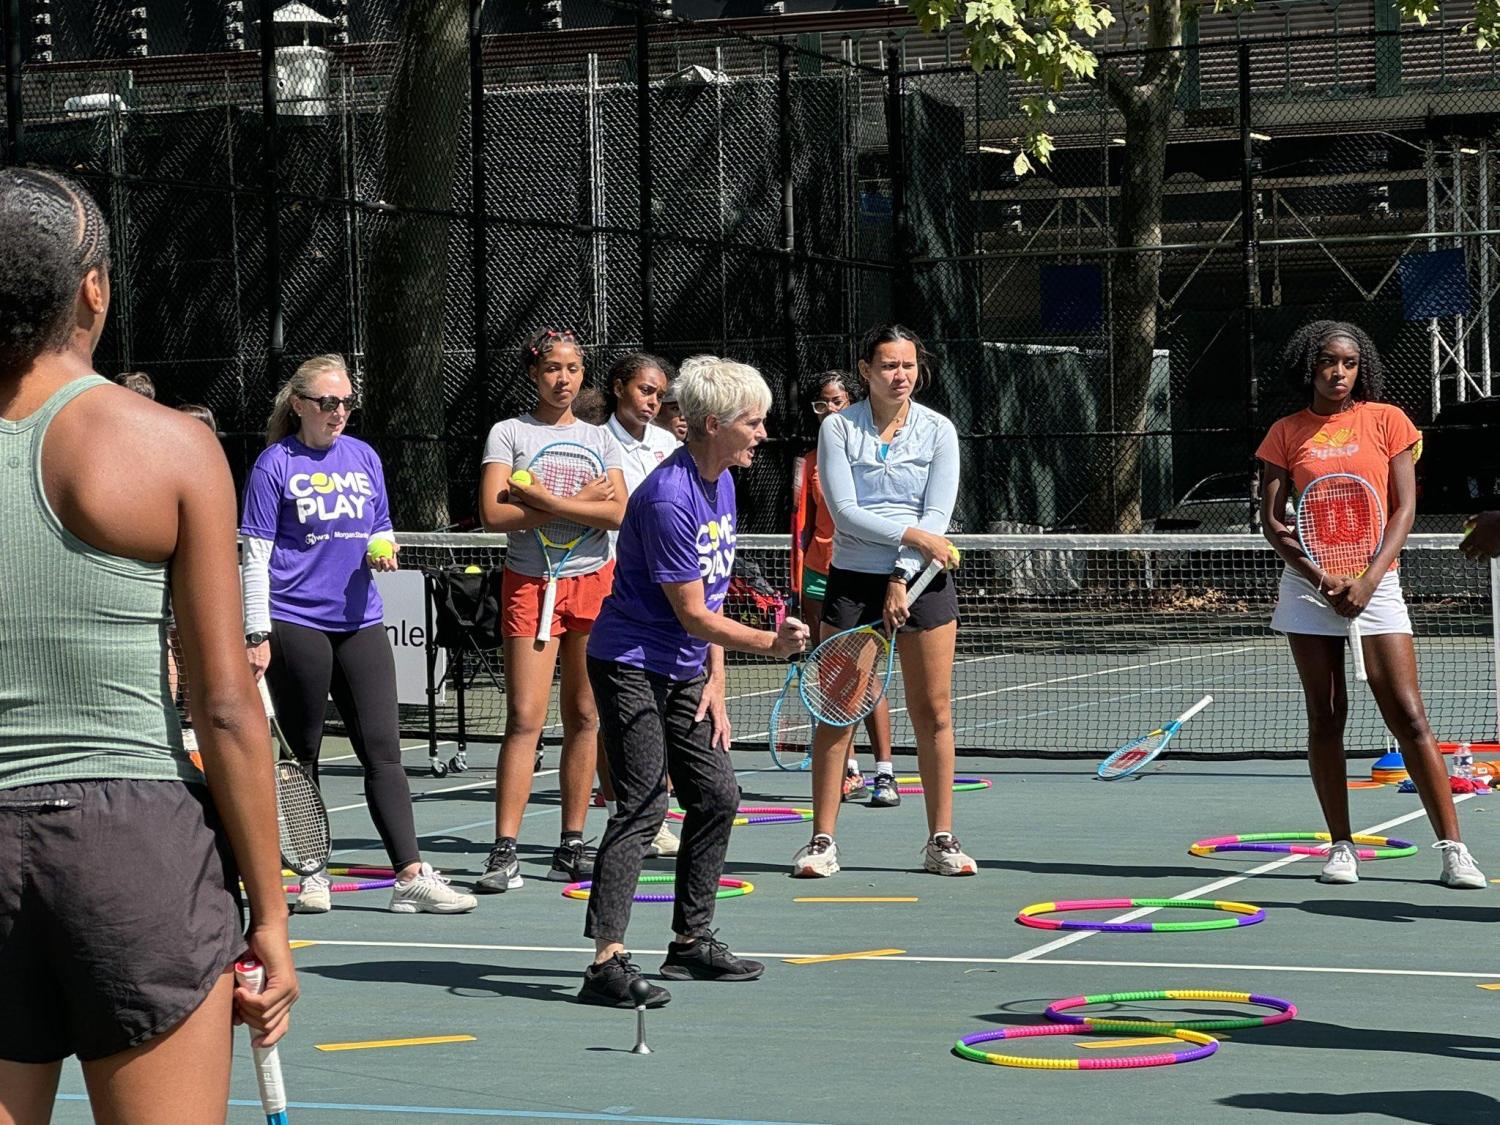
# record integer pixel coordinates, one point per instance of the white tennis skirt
(1301, 609)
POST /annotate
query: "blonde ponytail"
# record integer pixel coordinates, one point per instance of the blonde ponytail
(283, 420)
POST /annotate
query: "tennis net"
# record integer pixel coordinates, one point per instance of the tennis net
(1072, 645)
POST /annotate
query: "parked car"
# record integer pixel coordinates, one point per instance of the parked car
(1216, 504)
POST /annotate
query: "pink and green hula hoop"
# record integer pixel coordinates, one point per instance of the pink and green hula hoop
(1201, 1047)
(345, 888)
(1302, 843)
(728, 888)
(1238, 914)
(913, 785)
(1284, 1010)
(759, 814)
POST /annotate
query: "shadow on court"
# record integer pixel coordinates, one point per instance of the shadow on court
(461, 980)
(1377, 910)
(1426, 1107)
(1339, 1037)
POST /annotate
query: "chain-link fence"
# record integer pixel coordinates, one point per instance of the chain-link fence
(418, 188)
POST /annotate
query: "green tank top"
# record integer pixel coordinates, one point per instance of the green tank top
(83, 665)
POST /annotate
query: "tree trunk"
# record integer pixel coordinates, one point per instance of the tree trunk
(425, 116)
(1135, 286)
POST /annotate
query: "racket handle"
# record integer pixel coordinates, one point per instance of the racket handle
(1195, 708)
(914, 591)
(252, 975)
(544, 622)
(265, 697)
(1357, 649)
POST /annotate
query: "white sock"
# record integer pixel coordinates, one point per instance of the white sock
(854, 765)
(888, 768)
(612, 807)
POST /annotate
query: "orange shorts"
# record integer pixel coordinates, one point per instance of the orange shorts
(573, 610)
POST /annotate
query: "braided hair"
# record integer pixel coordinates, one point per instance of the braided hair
(54, 234)
(1299, 358)
(541, 342)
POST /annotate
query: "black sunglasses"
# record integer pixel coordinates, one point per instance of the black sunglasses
(329, 403)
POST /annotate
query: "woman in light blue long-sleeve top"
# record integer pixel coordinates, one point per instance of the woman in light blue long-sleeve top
(889, 470)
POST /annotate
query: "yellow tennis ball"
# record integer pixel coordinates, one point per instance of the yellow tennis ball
(321, 483)
(380, 549)
(473, 570)
(520, 476)
(957, 557)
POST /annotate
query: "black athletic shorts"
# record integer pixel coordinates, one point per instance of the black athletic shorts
(855, 598)
(119, 910)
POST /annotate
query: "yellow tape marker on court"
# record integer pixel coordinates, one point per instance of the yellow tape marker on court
(844, 956)
(301, 944)
(425, 1041)
(855, 900)
(1491, 987)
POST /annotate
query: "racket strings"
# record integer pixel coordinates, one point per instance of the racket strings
(847, 677)
(302, 824)
(564, 474)
(1339, 523)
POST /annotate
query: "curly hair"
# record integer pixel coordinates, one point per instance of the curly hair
(1299, 358)
(626, 368)
(541, 342)
(54, 234)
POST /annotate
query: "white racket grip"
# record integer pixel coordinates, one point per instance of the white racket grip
(1357, 649)
(1195, 708)
(265, 698)
(914, 591)
(252, 974)
(544, 622)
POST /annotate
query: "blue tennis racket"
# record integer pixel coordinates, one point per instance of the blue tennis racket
(1142, 752)
(252, 974)
(563, 468)
(791, 728)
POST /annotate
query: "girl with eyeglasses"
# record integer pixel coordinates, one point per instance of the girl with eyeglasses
(889, 472)
(314, 504)
(812, 553)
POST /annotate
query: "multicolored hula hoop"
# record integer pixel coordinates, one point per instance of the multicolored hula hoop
(913, 785)
(1285, 1010)
(344, 888)
(1302, 843)
(1243, 914)
(759, 814)
(362, 872)
(965, 1048)
(728, 888)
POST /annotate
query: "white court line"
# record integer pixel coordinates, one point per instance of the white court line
(1206, 966)
(1210, 888)
(446, 789)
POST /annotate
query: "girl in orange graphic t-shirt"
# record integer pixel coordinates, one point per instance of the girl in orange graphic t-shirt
(1346, 429)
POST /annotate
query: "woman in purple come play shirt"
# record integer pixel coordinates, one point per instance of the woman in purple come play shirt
(315, 508)
(656, 662)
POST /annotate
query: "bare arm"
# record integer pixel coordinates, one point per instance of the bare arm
(497, 511)
(227, 713)
(1275, 487)
(605, 514)
(1402, 515)
(686, 600)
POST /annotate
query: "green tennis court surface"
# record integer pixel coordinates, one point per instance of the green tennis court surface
(1392, 1021)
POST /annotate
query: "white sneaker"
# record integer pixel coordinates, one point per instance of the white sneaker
(665, 843)
(944, 856)
(817, 860)
(1342, 865)
(314, 898)
(1459, 868)
(429, 893)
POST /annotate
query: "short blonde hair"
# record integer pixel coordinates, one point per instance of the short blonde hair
(708, 385)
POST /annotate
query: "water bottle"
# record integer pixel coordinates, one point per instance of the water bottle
(1463, 761)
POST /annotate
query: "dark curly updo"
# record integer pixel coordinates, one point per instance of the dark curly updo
(1299, 358)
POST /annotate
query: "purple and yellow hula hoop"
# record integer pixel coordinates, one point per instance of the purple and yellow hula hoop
(1203, 1046)
(913, 785)
(1302, 843)
(759, 814)
(1240, 914)
(1284, 1010)
(728, 888)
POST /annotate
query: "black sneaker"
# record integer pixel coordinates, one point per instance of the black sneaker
(572, 861)
(502, 872)
(608, 983)
(707, 958)
(885, 794)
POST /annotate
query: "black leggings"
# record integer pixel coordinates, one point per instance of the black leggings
(359, 671)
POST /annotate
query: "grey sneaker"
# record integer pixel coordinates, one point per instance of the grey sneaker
(817, 860)
(314, 897)
(572, 861)
(1343, 864)
(885, 795)
(502, 871)
(429, 893)
(1459, 869)
(942, 855)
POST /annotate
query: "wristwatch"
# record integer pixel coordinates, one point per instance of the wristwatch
(898, 574)
(255, 640)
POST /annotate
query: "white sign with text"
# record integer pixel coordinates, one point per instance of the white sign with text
(406, 628)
